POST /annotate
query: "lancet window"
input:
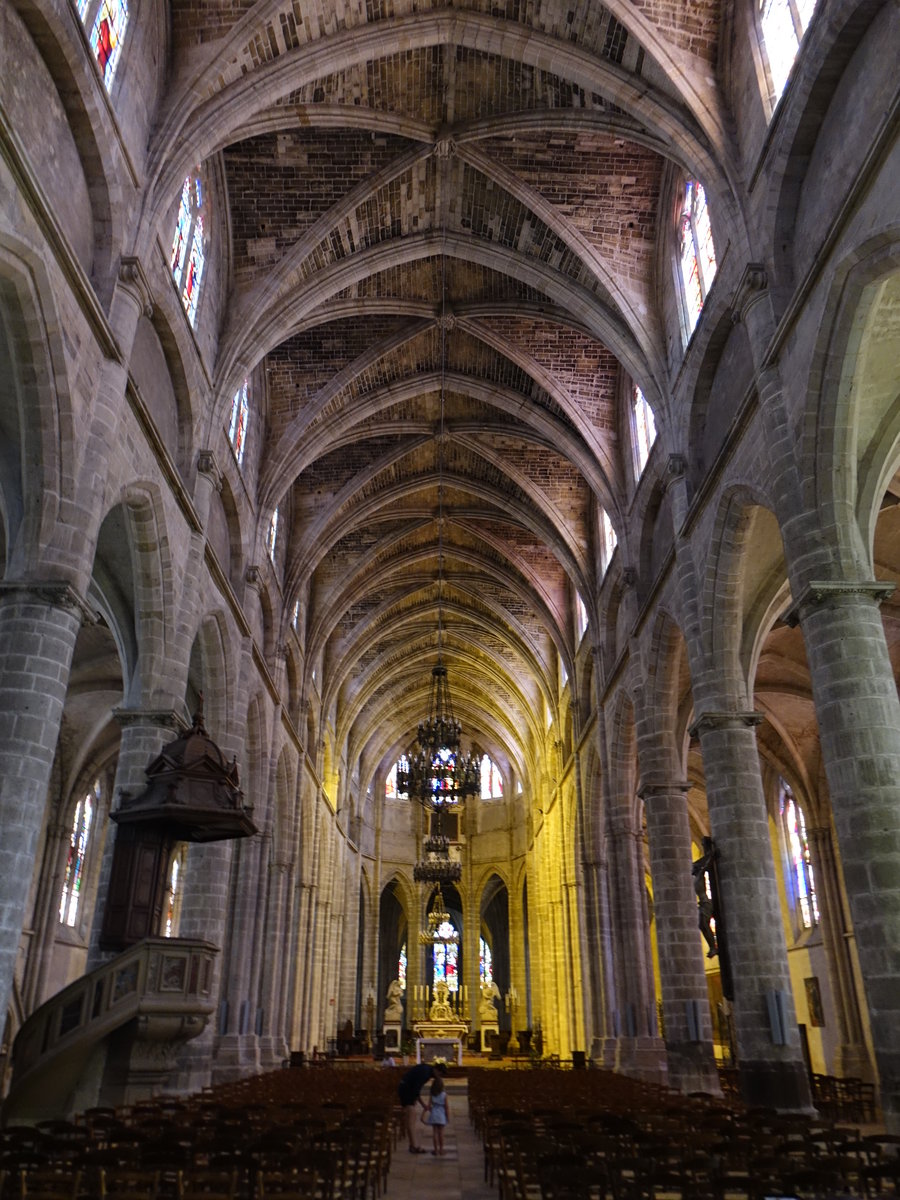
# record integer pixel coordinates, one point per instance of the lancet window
(644, 429)
(107, 22)
(188, 256)
(272, 535)
(697, 254)
(802, 881)
(783, 23)
(485, 964)
(446, 957)
(491, 780)
(401, 967)
(237, 427)
(73, 879)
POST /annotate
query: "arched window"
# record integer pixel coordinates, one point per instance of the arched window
(491, 780)
(174, 893)
(485, 967)
(107, 21)
(295, 615)
(697, 253)
(803, 886)
(390, 784)
(446, 957)
(643, 428)
(188, 255)
(272, 535)
(401, 967)
(237, 427)
(783, 23)
(582, 613)
(73, 880)
(608, 539)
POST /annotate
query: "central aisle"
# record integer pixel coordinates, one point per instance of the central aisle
(459, 1175)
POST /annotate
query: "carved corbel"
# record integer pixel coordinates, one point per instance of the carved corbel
(134, 280)
(207, 465)
(751, 289)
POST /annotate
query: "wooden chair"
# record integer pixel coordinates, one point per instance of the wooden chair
(207, 1185)
(49, 1185)
(119, 1184)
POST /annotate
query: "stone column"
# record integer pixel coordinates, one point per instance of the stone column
(772, 1071)
(853, 1055)
(859, 723)
(39, 624)
(237, 1049)
(688, 1037)
(639, 1048)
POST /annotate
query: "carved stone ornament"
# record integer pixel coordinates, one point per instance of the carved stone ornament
(830, 592)
(724, 720)
(676, 466)
(446, 321)
(207, 465)
(53, 593)
(630, 576)
(253, 576)
(133, 279)
(444, 146)
(750, 289)
(647, 791)
(162, 718)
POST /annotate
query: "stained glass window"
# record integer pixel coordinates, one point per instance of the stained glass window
(608, 539)
(491, 780)
(485, 967)
(803, 884)
(73, 880)
(401, 967)
(272, 535)
(107, 34)
(172, 897)
(644, 430)
(783, 24)
(237, 428)
(188, 256)
(446, 957)
(696, 251)
(390, 784)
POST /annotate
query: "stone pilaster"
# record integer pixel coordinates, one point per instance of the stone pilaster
(859, 722)
(39, 624)
(639, 1048)
(772, 1071)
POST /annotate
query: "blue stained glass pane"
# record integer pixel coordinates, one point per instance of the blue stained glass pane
(194, 272)
(106, 37)
(182, 232)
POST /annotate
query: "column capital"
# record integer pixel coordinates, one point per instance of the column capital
(55, 593)
(750, 290)
(134, 279)
(253, 576)
(208, 466)
(163, 718)
(669, 787)
(827, 593)
(724, 720)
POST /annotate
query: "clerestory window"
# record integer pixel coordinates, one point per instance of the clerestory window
(783, 23)
(697, 254)
(188, 257)
(106, 22)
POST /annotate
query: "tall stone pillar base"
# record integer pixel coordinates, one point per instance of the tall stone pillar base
(236, 1055)
(642, 1058)
(273, 1053)
(690, 1068)
(781, 1085)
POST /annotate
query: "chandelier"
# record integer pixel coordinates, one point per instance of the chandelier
(438, 917)
(438, 774)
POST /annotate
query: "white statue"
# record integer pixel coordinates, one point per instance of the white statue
(393, 1013)
(487, 1013)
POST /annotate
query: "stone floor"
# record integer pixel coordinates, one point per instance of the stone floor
(459, 1175)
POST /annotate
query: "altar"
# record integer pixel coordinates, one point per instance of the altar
(430, 1048)
(443, 1032)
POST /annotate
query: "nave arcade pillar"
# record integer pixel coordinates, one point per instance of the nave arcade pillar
(639, 1049)
(857, 706)
(688, 1026)
(39, 623)
(772, 1071)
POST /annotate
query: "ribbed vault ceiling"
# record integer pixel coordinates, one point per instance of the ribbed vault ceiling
(424, 194)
